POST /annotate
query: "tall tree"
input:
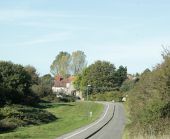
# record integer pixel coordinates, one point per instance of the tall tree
(100, 75)
(78, 62)
(61, 64)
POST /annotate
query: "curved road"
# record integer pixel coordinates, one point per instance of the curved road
(109, 126)
(114, 129)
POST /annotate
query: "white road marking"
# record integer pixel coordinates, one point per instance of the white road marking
(90, 125)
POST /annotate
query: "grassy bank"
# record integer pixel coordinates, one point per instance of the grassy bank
(15, 115)
(70, 116)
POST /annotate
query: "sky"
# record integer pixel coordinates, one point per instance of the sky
(125, 32)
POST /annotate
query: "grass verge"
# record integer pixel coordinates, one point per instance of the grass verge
(70, 117)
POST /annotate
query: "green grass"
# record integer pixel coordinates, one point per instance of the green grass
(70, 117)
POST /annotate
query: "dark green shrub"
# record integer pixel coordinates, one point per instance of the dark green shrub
(107, 96)
(18, 115)
(68, 98)
(8, 96)
(7, 126)
(127, 85)
(165, 111)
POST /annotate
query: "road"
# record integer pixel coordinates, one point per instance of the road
(109, 126)
(114, 129)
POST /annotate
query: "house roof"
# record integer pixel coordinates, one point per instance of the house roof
(59, 81)
(58, 78)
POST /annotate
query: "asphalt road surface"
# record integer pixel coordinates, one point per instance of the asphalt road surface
(109, 126)
(114, 129)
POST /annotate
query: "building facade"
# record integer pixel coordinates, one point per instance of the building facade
(65, 85)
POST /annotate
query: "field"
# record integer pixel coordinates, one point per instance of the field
(69, 116)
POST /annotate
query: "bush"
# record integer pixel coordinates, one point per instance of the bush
(44, 87)
(30, 100)
(107, 96)
(17, 115)
(149, 101)
(68, 98)
(53, 98)
(127, 85)
(8, 96)
(7, 126)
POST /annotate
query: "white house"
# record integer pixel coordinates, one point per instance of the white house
(66, 86)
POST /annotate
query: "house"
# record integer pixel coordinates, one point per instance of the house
(65, 85)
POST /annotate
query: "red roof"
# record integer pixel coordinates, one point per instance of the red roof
(61, 82)
(58, 78)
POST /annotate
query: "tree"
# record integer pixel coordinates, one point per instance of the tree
(44, 88)
(66, 64)
(127, 85)
(77, 82)
(78, 62)
(15, 83)
(120, 75)
(33, 73)
(146, 71)
(46, 82)
(46, 79)
(99, 75)
(13, 76)
(0, 78)
(61, 64)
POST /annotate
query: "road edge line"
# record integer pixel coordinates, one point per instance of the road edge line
(90, 125)
(102, 126)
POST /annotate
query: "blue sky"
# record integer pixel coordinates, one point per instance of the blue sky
(124, 32)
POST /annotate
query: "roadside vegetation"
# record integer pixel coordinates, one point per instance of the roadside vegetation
(21, 91)
(68, 116)
(149, 103)
(13, 116)
(29, 108)
(107, 96)
(104, 79)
